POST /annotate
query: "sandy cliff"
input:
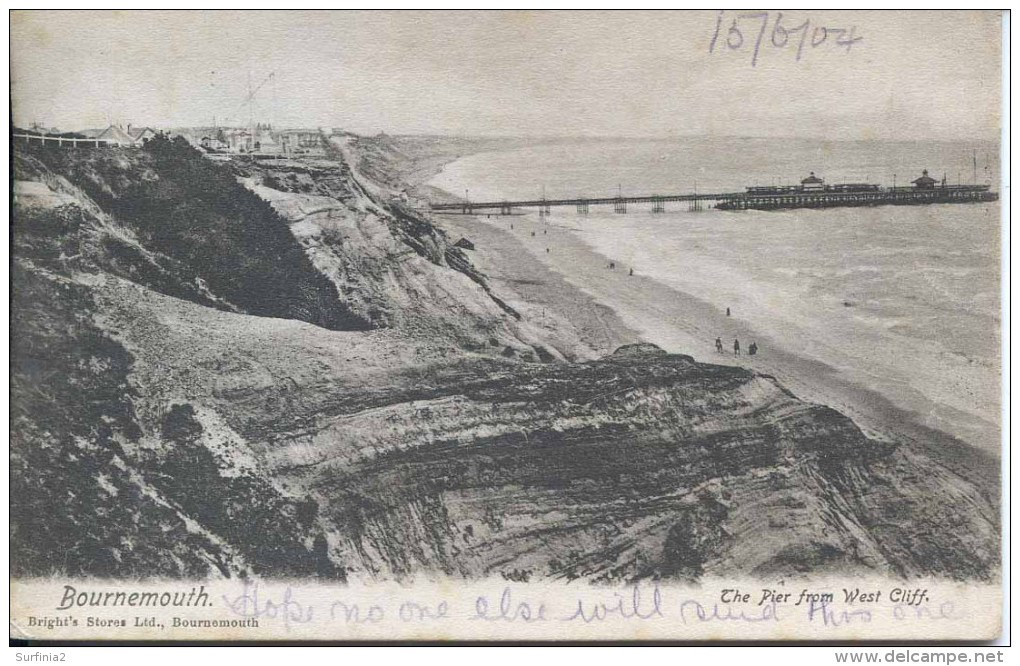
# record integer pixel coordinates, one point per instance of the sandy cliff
(374, 407)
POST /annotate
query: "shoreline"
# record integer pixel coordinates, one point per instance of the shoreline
(642, 309)
(573, 276)
(576, 323)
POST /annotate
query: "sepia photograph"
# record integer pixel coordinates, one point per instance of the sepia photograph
(507, 325)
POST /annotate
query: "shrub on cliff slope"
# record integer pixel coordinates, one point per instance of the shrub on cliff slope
(75, 508)
(194, 211)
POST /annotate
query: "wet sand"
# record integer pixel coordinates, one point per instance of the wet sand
(577, 283)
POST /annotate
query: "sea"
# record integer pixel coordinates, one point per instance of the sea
(894, 296)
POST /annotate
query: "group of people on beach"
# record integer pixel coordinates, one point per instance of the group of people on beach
(751, 350)
(544, 233)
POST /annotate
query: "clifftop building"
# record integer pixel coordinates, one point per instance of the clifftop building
(116, 135)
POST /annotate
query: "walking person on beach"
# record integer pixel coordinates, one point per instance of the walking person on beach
(718, 345)
(727, 312)
(752, 349)
(736, 347)
(632, 271)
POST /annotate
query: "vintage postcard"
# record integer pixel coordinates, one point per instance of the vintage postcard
(514, 325)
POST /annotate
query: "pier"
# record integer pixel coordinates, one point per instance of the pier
(582, 205)
(893, 196)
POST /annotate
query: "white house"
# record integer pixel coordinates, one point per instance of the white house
(115, 136)
(141, 135)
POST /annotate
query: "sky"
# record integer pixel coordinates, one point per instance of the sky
(912, 75)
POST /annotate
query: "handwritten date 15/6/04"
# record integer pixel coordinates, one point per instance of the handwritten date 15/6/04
(784, 33)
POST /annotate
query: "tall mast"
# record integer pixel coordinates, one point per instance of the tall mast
(251, 116)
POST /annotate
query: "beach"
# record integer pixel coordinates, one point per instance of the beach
(612, 307)
(889, 314)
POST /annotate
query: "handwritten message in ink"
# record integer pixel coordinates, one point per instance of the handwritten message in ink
(636, 603)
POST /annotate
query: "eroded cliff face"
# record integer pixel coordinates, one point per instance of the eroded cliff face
(160, 427)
